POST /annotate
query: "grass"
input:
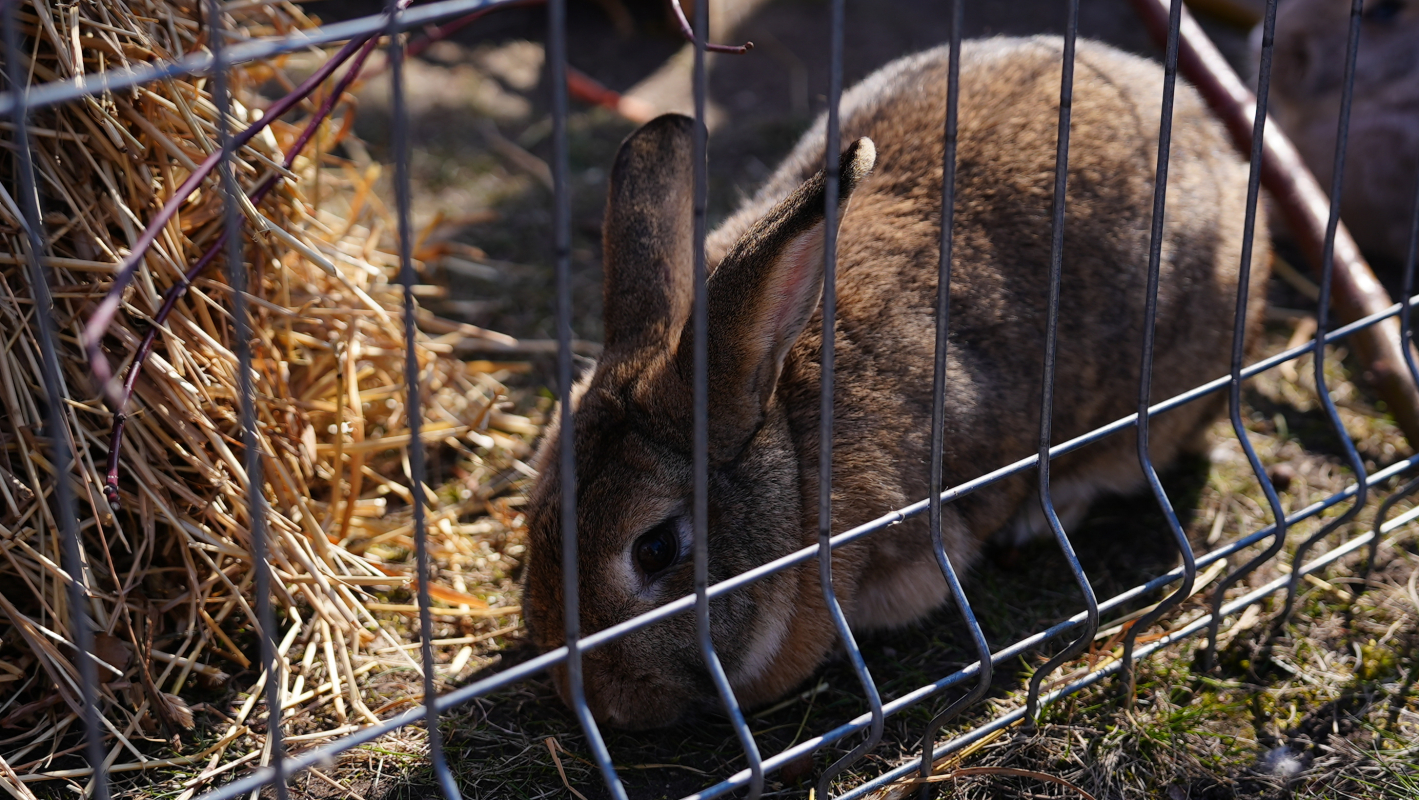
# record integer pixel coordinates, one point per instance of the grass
(1329, 693)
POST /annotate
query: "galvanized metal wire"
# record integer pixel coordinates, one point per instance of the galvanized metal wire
(938, 406)
(251, 461)
(1079, 629)
(1145, 371)
(1352, 456)
(56, 427)
(413, 400)
(562, 248)
(1239, 335)
(700, 454)
(827, 363)
(1056, 272)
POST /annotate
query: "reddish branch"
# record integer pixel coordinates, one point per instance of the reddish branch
(179, 289)
(1357, 292)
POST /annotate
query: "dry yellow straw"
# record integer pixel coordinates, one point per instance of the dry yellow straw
(169, 576)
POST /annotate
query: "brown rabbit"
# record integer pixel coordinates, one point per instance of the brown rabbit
(633, 413)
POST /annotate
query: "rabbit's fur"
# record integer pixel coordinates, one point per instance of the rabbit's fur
(1382, 160)
(632, 417)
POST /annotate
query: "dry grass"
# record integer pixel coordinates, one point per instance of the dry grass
(169, 573)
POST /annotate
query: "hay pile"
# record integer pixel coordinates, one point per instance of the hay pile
(168, 572)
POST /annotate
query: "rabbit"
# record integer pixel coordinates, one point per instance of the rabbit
(632, 413)
(1382, 160)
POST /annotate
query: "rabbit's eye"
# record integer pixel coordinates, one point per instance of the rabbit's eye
(657, 548)
(1384, 11)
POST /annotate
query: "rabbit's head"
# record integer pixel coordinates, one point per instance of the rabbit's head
(633, 438)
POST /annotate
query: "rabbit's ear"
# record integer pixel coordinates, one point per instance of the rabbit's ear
(761, 297)
(648, 234)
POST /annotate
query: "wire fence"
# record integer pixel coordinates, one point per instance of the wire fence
(973, 680)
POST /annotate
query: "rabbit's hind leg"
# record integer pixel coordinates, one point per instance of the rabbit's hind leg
(1072, 492)
(1072, 497)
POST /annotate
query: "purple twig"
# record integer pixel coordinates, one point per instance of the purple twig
(102, 317)
(689, 33)
(179, 289)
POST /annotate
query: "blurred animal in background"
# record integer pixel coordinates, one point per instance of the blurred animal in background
(1381, 170)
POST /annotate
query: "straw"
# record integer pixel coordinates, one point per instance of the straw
(131, 215)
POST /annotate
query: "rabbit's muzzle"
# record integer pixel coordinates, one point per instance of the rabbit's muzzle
(629, 698)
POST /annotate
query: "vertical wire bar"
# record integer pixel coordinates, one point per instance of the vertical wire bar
(1405, 339)
(700, 456)
(1056, 258)
(1239, 332)
(251, 455)
(562, 246)
(66, 514)
(832, 155)
(938, 405)
(413, 400)
(1342, 138)
(1145, 370)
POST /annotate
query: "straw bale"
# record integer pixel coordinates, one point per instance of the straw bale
(168, 568)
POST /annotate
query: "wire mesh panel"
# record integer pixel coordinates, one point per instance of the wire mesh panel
(1141, 629)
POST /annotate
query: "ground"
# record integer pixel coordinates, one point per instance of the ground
(1321, 704)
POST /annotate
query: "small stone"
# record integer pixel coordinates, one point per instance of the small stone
(1281, 476)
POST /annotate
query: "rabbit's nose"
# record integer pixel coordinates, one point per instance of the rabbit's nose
(631, 699)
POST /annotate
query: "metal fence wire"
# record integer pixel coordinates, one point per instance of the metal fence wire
(17, 103)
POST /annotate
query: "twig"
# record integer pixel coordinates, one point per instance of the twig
(552, 747)
(689, 33)
(588, 90)
(179, 289)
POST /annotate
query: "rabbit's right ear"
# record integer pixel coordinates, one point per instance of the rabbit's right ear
(648, 235)
(761, 297)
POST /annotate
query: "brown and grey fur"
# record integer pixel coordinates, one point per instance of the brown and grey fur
(633, 414)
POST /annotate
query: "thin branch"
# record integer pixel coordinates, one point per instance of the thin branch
(179, 289)
(103, 316)
(689, 33)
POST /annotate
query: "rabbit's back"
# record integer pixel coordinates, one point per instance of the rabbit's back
(887, 272)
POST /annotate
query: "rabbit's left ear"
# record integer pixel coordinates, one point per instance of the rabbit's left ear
(760, 299)
(648, 235)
